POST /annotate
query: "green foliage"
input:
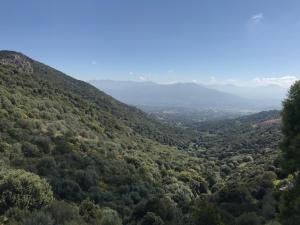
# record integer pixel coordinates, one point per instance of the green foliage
(24, 190)
(290, 212)
(90, 212)
(291, 123)
(151, 219)
(249, 219)
(161, 208)
(106, 162)
(39, 218)
(63, 213)
(110, 217)
(291, 155)
(207, 213)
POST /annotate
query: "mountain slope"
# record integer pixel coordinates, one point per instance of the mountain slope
(131, 116)
(70, 154)
(186, 95)
(87, 146)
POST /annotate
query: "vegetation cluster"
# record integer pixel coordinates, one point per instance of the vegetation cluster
(70, 154)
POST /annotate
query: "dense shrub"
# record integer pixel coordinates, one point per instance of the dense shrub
(24, 190)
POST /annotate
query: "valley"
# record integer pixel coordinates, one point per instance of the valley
(130, 112)
(82, 157)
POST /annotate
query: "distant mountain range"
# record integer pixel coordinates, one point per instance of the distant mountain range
(192, 95)
(273, 94)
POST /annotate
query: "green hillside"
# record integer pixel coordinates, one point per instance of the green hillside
(130, 116)
(87, 145)
(70, 154)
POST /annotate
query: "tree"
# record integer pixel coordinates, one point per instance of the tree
(151, 219)
(39, 218)
(206, 213)
(69, 190)
(162, 206)
(249, 219)
(63, 212)
(290, 145)
(90, 212)
(24, 190)
(110, 217)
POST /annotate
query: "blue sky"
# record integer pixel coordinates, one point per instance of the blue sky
(159, 40)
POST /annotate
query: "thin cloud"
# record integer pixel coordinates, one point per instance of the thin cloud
(93, 62)
(144, 78)
(213, 80)
(257, 18)
(284, 81)
(171, 82)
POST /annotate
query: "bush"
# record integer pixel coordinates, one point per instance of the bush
(24, 190)
(30, 150)
(249, 219)
(164, 207)
(110, 217)
(90, 212)
(16, 215)
(63, 212)
(39, 218)
(68, 190)
(46, 166)
(86, 179)
(206, 213)
(151, 219)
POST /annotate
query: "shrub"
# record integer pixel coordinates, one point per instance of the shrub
(39, 218)
(30, 150)
(249, 219)
(63, 212)
(46, 166)
(68, 190)
(206, 213)
(110, 217)
(90, 212)
(24, 190)
(151, 219)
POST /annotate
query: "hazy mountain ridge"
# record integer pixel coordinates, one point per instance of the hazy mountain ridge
(270, 94)
(188, 95)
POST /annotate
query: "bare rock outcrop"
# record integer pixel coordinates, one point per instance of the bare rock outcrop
(20, 62)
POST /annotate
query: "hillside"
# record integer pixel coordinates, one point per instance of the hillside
(86, 144)
(70, 154)
(130, 116)
(255, 137)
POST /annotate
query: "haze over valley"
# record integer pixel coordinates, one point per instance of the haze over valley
(199, 102)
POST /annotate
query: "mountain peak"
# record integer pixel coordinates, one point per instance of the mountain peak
(17, 60)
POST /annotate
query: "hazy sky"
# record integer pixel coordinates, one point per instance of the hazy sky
(160, 40)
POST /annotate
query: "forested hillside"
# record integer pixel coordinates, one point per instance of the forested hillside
(85, 148)
(130, 116)
(71, 154)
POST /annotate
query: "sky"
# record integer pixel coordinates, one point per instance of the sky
(210, 41)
